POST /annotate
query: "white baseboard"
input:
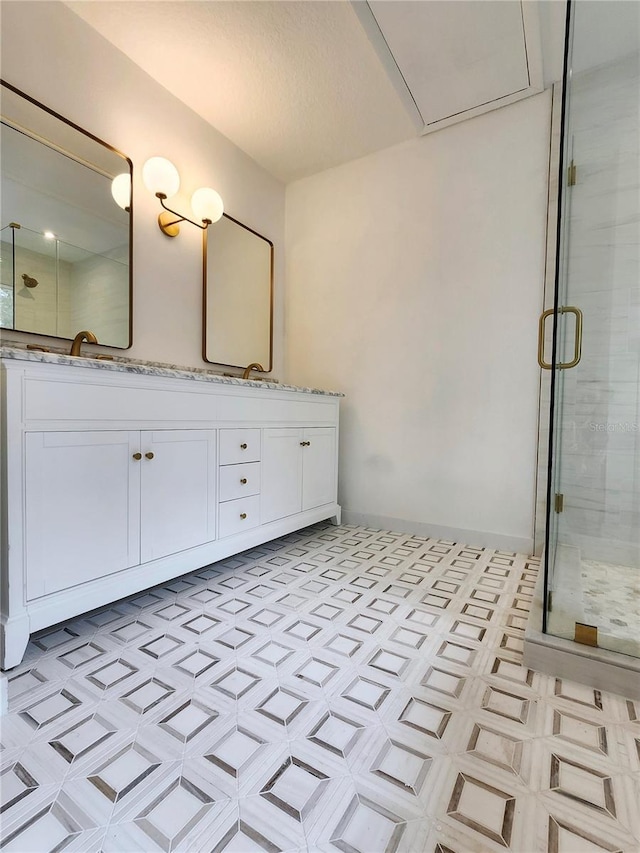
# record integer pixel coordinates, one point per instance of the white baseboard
(473, 538)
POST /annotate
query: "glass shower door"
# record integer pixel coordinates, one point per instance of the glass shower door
(592, 560)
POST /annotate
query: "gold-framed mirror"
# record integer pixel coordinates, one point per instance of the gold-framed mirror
(65, 243)
(237, 295)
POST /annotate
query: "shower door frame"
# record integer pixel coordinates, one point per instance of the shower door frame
(560, 282)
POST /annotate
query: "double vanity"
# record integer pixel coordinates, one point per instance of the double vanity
(118, 476)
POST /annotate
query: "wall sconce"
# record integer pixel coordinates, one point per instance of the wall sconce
(161, 178)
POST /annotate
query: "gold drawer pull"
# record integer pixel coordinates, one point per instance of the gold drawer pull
(243, 515)
(137, 456)
(244, 481)
(149, 455)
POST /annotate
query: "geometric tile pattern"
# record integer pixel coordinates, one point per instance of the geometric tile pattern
(338, 689)
(483, 808)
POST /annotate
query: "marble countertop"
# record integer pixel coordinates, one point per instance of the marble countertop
(152, 368)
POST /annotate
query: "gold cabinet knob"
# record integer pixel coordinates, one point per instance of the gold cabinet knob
(149, 455)
(243, 515)
(243, 481)
(137, 456)
(243, 447)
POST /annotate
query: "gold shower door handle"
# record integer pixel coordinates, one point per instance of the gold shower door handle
(577, 346)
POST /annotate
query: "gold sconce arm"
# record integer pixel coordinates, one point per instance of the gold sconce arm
(169, 225)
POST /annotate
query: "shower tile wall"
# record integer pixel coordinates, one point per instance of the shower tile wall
(99, 288)
(91, 293)
(36, 308)
(600, 442)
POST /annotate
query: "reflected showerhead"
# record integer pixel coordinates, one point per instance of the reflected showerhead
(29, 282)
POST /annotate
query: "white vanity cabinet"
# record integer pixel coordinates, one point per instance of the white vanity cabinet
(239, 492)
(319, 462)
(113, 481)
(98, 502)
(299, 470)
(177, 490)
(82, 507)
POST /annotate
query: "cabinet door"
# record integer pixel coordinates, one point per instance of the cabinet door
(281, 473)
(177, 504)
(82, 507)
(319, 482)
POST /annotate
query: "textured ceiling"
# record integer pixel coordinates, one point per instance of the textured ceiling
(297, 85)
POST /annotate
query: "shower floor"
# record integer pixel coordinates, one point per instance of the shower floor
(611, 596)
(596, 593)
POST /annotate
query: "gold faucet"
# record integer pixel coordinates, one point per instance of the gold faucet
(76, 346)
(253, 366)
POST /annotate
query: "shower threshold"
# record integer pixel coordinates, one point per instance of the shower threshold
(561, 656)
(604, 595)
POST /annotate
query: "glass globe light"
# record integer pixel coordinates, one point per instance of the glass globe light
(121, 190)
(207, 204)
(161, 176)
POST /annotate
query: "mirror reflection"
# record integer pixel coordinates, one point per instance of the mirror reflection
(65, 243)
(238, 295)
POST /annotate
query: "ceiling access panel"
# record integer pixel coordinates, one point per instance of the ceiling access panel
(450, 61)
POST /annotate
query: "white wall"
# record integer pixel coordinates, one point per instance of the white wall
(414, 279)
(55, 57)
(414, 283)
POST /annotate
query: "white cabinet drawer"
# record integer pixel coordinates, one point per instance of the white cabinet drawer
(239, 445)
(239, 481)
(239, 515)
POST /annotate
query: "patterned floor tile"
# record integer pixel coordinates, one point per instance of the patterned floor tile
(339, 689)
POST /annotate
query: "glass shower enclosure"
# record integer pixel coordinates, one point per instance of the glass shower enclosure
(592, 552)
